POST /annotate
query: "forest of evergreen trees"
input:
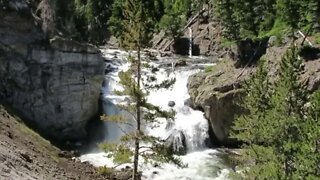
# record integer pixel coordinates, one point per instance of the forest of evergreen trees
(96, 20)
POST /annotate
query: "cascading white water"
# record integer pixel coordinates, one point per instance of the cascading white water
(190, 42)
(188, 121)
(202, 163)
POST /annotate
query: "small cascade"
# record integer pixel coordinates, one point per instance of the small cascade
(190, 123)
(177, 142)
(114, 65)
(190, 43)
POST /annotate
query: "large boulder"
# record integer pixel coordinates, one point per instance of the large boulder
(218, 101)
(54, 84)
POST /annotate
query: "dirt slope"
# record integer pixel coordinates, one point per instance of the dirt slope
(26, 155)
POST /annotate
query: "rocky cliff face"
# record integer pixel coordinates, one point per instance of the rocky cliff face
(55, 84)
(206, 37)
(216, 92)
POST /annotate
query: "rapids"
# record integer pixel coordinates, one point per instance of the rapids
(203, 163)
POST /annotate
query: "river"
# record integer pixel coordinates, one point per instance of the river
(203, 163)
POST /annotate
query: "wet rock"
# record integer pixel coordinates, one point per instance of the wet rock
(69, 154)
(180, 62)
(169, 125)
(151, 78)
(176, 142)
(171, 104)
(154, 70)
(188, 102)
(166, 54)
(272, 40)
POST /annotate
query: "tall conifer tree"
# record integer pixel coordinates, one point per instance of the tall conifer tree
(280, 130)
(137, 27)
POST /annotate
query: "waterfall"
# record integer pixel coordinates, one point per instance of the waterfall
(190, 42)
(191, 123)
(186, 134)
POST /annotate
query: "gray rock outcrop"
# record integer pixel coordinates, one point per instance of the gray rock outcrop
(217, 100)
(55, 84)
(217, 92)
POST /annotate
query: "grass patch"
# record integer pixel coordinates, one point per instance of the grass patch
(27, 134)
(40, 143)
(279, 30)
(208, 69)
(105, 171)
(222, 64)
(317, 38)
(226, 43)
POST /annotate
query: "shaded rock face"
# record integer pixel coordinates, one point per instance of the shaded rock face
(206, 37)
(219, 103)
(56, 84)
(217, 92)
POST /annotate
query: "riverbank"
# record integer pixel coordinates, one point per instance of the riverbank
(26, 155)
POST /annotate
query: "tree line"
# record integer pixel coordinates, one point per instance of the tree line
(255, 18)
(96, 20)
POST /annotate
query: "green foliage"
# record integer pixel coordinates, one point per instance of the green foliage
(290, 12)
(151, 12)
(280, 129)
(84, 20)
(172, 24)
(224, 11)
(257, 102)
(104, 171)
(279, 30)
(317, 38)
(242, 19)
(208, 69)
(175, 16)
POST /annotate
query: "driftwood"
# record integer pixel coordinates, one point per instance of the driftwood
(305, 38)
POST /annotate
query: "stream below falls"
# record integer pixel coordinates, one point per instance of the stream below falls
(189, 130)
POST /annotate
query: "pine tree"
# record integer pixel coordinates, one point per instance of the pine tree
(224, 12)
(311, 149)
(281, 132)
(254, 128)
(175, 16)
(289, 100)
(93, 16)
(115, 21)
(291, 12)
(137, 25)
(245, 14)
(314, 13)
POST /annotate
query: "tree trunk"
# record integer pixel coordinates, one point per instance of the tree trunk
(135, 175)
